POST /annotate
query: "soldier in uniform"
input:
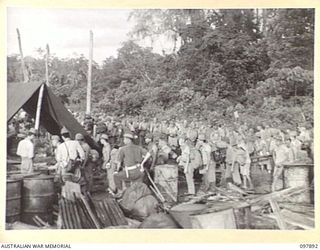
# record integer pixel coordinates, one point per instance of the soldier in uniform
(129, 160)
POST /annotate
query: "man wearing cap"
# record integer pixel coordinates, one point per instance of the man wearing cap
(68, 150)
(26, 151)
(129, 158)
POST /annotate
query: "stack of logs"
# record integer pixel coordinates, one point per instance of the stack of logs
(82, 212)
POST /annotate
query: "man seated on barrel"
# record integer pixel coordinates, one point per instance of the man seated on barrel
(129, 159)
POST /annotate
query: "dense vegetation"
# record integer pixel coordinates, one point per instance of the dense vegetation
(258, 62)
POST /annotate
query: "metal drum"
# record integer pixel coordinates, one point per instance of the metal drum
(182, 212)
(37, 198)
(166, 179)
(13, 200)
(298, 175)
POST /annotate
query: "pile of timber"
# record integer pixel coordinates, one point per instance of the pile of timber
(292, 215)
(109, 212)
(82, 212)
(266, 212)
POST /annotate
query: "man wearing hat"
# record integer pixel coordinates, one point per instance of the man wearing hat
(129, 159)
(26, 151)
(69, 150)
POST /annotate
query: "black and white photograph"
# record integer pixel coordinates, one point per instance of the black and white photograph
(160, 118)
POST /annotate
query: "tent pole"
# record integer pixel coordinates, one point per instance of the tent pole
(40, 97)
(23, 67)
(88, 108)
(47, 66)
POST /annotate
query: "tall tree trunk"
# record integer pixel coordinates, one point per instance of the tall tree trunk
(264, 22)
(23, 67)
(88, 109)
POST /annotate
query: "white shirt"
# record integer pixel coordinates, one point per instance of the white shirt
(26, 148)
(69, 150)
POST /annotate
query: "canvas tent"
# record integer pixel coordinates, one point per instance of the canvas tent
(53, 113)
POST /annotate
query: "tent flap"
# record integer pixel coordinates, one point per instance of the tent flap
(53, 115)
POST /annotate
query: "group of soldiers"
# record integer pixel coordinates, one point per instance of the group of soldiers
(129, 148)
(132, 146)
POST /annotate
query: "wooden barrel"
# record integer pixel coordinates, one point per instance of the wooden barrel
(166, 179)
(297, 175)
(182, 212)
(13, 200)
(37, 198)
(19, 175)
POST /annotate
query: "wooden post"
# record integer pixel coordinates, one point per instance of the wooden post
(88, 109)
(23, 67)
(47, 66)
(39, 104)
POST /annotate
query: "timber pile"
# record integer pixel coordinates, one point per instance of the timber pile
(265, 211)
(293, 216)
(109, 212)
(83, 212)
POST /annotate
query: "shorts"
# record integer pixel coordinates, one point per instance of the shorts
(245, 170)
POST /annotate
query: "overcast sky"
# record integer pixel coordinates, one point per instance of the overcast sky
(67, 31)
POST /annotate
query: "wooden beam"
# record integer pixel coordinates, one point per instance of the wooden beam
(47, 65)
(39, 104)
(276, 211)
(23, 67)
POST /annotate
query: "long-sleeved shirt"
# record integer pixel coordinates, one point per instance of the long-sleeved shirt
(26, 148)
(69, 150)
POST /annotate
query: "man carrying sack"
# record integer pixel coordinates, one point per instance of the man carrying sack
(70, 156)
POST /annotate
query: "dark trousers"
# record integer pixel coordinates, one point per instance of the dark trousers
(135, 175)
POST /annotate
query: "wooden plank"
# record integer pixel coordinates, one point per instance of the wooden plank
(276, 212)
(119, 212)
(109, 212)
(90, 213)
(236, 189)
(225, 193)
(298, 219)
(76, 215)
(277, 194)
(306, 209)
